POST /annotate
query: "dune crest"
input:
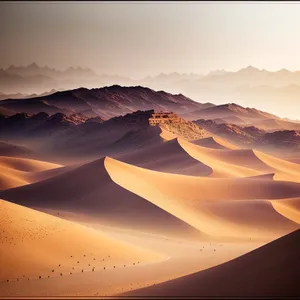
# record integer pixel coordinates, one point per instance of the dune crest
(284, 170)
(167, 157)
(188, 196)
(225, 163)
(89, 190)
(289, 208)
(21, 171)
(214, 142)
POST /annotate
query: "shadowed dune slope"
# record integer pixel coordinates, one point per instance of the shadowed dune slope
(168, 157)
(214, 143)
(289, 208)
(89, 190)
(34, 243)
(8, 149)
(269, 271)
(21, 171)
(189, 193)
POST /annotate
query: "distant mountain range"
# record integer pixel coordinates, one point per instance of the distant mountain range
(263, 89)
(108, 102)
(105, 102)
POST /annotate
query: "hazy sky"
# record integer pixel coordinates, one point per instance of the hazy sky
(140, 39)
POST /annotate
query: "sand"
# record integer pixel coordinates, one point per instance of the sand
(168, 157)
(269, 271)
(284, 170)
(89, 190)
(214, 142)
(35, 243)
(21, 171)
(169, 213)
(289, 208)
(227, 162)
(188, 194)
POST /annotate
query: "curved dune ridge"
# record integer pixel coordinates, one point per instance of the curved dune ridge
(289, 208)
(214, 142)
(167, 135)
(242, 162)
(21, 171)
(284, 170)
(90, 190)
(188, 194)
(226, 162)
(269, 271)
(168, 157)
(34, 243)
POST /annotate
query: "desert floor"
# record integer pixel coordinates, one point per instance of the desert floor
(118, 224)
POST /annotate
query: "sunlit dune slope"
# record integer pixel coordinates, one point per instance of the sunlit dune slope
(168, 157)
(214, 143)
(21, 171)
(34, 243)
(289, 208)
(242, 162)
(184, 196)
(89, 190)
(25, 164)
(226, 162)
(284, 170)
(269, 271)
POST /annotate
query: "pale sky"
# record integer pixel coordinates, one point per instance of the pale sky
(139, 39)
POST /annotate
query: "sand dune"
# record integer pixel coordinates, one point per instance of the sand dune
(189, 193)
(168, 157)
(269, 271)
(34, 243)
(289, 208)
(8, 149)
(284, 170)
(26, 165)
(121, 194)
(227, 163)
(243, 162)
(89, 190)
(214, 142)
(167, 135)
(21, 171)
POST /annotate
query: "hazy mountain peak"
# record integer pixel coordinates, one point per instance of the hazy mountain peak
(249, 69)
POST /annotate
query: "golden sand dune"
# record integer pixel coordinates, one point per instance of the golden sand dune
(89, 190)
(214, 142)
(20, 171)
(289, 208)
(183, 196)
(167, 135)
(256, 218)
(227, 162)
(269, 271)
(284, 170)
(168, 157)
(25, 164)
(36, 244)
